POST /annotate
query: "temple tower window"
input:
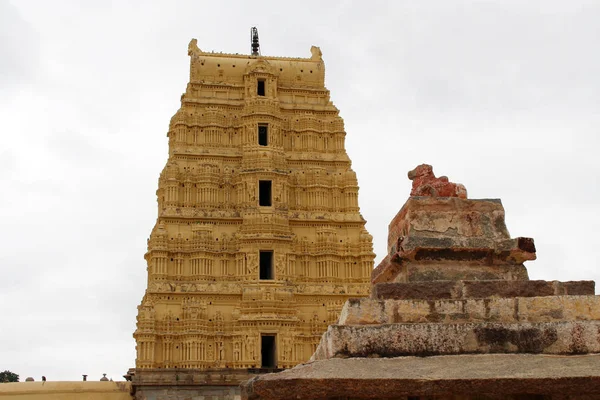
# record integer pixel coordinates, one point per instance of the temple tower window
(260, 87)
(263, 134)
(264, 193)
(266, 264)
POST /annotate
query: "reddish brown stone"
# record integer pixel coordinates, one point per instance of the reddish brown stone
(459, 272)
(415, 290)
(465, 289)
(387, 270)
(440, 217)
(576, 288)
(483, 289)
(526, 244)
(426, 184)
(453, 233)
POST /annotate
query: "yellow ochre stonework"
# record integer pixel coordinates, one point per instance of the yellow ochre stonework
(259, 240)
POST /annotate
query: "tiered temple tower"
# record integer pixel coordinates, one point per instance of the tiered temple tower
(259, 240)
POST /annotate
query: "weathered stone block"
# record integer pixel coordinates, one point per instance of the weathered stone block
(429, 232)
(578, 288)
(447, 217)
(483, 289)
(429, 272)
(414, 290)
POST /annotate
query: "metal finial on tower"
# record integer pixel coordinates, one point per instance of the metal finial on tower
(254, 41)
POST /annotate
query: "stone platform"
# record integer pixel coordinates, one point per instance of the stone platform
(487, 376)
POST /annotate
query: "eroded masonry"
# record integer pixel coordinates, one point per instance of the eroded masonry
(259, 240)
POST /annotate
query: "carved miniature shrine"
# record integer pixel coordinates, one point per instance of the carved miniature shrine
(259, 240)
(453, 316)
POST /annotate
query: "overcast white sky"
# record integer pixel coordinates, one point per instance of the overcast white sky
(502, 96)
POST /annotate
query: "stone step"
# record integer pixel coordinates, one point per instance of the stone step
(396, 340)
(479, 289)
(365, 311)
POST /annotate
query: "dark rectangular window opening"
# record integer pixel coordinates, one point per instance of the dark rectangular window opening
(267, 351)
(263, 134)
(266, 265)
(260, 87)
(264, 193)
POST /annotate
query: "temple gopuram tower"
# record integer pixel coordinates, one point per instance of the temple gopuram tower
(259, 240)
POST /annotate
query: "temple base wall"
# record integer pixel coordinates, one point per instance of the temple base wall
(192, 392)
(184, 384)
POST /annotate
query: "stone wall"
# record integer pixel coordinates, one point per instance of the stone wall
(186, 384)
(191, 392)
(66, 391)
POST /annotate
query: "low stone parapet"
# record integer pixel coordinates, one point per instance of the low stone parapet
(395, 340)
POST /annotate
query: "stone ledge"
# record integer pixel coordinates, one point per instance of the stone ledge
(365, 311)
(437, 290)
(397, 270)
(467, 375)
(396, 340)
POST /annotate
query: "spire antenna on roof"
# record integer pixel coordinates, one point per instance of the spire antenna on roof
(254, 41)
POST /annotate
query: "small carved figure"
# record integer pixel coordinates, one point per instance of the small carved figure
(250, 347)
(251, 191)
(316, 53)
(426, 184)
(280, 265)
(236, 351)
(221, 353)
(193, 49)
(287, 349)
(252, 264)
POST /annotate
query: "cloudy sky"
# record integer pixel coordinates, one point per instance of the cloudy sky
(500, 95)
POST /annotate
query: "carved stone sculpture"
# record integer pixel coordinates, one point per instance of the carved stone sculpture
(424, 183)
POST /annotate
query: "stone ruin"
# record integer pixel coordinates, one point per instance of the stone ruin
(453, 315)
